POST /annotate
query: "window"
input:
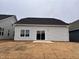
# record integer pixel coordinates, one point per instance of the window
(8, 32)
(24, 33)
(27, 33)
(40, 35)
(1, 31)
(12, 25)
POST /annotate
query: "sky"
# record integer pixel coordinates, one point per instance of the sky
(66, 10)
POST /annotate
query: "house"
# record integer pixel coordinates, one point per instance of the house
(6, 26)
(41, 29)
(74, 31)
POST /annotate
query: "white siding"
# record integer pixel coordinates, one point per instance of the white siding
(7, 25)
(54, 33)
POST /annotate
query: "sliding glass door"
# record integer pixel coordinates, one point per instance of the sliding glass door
(40, 35)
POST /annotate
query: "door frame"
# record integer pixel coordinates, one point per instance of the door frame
(40, 35)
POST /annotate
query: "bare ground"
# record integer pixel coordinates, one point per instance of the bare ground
(30, 50)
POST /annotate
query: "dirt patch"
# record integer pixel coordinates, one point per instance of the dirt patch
(29, 50)
(20, 48)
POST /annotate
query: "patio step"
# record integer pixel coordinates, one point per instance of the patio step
(42, 41)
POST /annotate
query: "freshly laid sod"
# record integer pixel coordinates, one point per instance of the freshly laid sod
(30, 50)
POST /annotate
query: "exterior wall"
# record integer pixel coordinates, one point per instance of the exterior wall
(54, 33)
(7, 24)
(74, 36)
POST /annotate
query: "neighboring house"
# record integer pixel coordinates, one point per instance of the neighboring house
(41, 29)
(74, 31)
(6, 26)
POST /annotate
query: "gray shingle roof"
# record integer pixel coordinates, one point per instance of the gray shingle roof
(48, 21)
(4, 16)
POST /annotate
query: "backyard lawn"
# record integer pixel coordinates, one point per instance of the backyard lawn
(30, 50)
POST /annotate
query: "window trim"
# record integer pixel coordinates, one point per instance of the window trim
(24, 33)
(27, 33)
